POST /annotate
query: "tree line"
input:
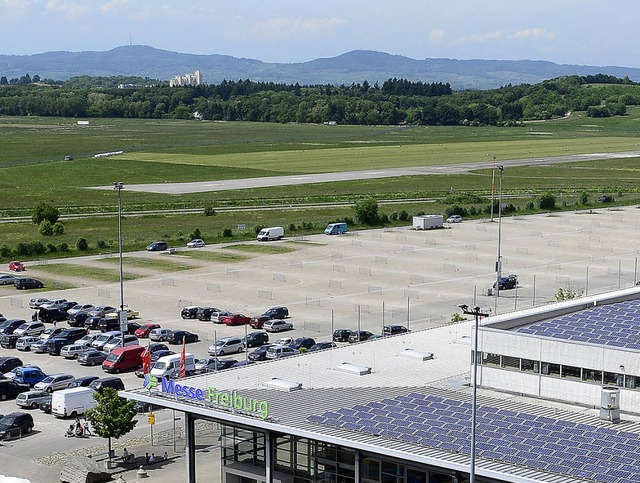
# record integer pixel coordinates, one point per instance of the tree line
(395, 101)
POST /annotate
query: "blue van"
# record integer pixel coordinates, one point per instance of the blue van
(335, 229)
(29, 375)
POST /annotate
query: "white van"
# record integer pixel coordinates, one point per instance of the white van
(273, 233)
(105, 338)
(72, 402)
(169, 366)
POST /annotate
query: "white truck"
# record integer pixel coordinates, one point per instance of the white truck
(72, 402)
(273, 233)
(169, 366)
(427, 222)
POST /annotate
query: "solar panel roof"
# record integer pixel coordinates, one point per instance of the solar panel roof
(601, 454)
(616, 325)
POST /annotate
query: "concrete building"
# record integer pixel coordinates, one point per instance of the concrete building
(191, 79)
(399, 409)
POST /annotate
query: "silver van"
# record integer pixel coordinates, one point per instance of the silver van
(31, 399)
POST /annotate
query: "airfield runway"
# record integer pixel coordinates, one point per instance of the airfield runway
(249, 183)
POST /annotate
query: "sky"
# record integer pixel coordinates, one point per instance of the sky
(585, 32)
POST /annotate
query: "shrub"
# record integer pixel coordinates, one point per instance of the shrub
(384, 219)
(63, 247)
(530, 206)
(227, 233)
(58, 228)
(51, 248)
(584, 198)
(292, 227)
(456, 210)
(547, 201)
(403, 216)
(23, 249)
(258, 228)
(45, 229)
(367, 212)
(195, 234)
(44, 211)
(101, 244)
(209, 211)
(82, 244)
(37, 248)
(394, 216)
(5, 251)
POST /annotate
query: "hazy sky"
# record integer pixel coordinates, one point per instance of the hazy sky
(564, 31)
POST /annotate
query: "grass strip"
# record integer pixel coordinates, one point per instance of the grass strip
(95, 273)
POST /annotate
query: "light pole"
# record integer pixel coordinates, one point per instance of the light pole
(493, 185)
(475, 311)
(499, 261)
(118, 185)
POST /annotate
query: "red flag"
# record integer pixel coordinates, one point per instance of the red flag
(146, 360)
(183, 359)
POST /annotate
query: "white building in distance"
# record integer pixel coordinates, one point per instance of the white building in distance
(194, 79)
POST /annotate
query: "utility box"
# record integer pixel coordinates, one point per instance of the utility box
(427, 222)
(610, 404)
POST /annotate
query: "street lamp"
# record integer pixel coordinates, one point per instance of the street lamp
(475, 311)
(499, 261)
(118, 185)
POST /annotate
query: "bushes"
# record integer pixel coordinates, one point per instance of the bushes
(82, 245)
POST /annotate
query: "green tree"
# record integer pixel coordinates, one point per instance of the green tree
(82, 244)
(568, 293)
(46, 228)
(45, 211)
(367, 212)
(547, 201)
(58, 228)
(209, 210)
(113, 416)
(584, 198)
(195, 234)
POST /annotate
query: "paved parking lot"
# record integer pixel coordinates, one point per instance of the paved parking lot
(365, 279)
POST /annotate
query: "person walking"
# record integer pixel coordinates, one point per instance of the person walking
(146, 458)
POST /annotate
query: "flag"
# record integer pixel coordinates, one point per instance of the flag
(183, 359)
(146, 360)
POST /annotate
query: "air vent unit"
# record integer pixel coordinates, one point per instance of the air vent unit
(353, 369)
(283, 384)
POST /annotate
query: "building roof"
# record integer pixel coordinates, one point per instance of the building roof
(615, 325)
(394, 402)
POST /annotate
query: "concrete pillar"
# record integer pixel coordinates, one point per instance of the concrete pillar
(190, 438)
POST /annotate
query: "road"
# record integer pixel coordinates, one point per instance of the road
(299, 179)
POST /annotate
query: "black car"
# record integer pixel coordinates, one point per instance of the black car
(190, 312)
(8, 341)
(55, 344)
(9, 325)
(341, 335)
(359, 336)
(108, 324)
(91, 323)
(14, 425)
(8, 363)
(394, 329)
(157, 246)
(52, 314)
(101, 311)
(27, 283)
(45, 405)
(157, 346)
(154, 356)
(9, 389)
(112, 382)
(255, 339)
(508, 282)
(78, 319)
(260, 354)
(220, 365)
(302, 343)
(204, 313)
(72, 334)
(177, 336)
(318, 346)
(277, 312)
(83, 381)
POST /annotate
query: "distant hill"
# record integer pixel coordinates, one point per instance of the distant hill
(348, 68)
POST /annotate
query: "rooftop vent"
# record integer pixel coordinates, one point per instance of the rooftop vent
(414, 354)
(353, 369)
(283, 384)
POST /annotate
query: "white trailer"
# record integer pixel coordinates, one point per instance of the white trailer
(72, 402)
(428, 222)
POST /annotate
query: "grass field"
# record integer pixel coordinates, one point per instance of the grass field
(95, 273)
(32, 168)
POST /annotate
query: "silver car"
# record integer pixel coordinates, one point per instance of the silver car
(24, 343)
(226, 345)
(54, 382)
(277, 325)
(31, 399)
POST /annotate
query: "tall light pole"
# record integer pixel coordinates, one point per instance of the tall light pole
(499, 261)
(475, 311)
(118, 185)
(493, 186)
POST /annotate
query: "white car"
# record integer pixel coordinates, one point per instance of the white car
(88, 339)
(54, 382)
(117, 342)
(280, 351)
(24, 343)
(196, 243)
(284, 341)
(33, 328)
(159, 334)
(79, 308)
(454, 219)
(35, 303)
(277, 325)
(49, 304)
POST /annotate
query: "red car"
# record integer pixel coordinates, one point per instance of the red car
(144, 330)
(17, 267)
(257, 321)
(235, 319)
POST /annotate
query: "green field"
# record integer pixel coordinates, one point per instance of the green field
(32, 169)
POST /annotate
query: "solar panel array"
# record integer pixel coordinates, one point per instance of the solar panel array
(577, 450)
(616, 325)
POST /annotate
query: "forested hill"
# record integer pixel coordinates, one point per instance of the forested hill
(395, 101)
(348, 68)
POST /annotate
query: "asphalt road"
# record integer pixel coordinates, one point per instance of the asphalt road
(249, 183)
